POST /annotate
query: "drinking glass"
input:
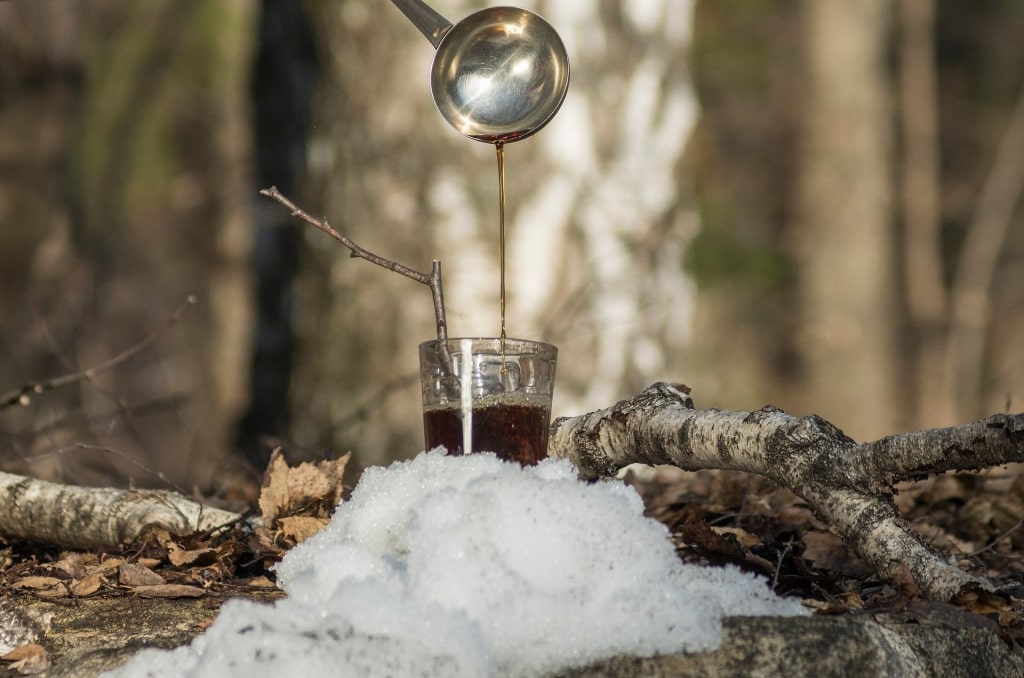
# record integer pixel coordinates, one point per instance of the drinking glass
(488, 395)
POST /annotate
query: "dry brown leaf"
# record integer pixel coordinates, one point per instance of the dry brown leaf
(49, 587)
(946, 487)
(132, 574)
(109, 564)
(169, 591)
(27, 660)
(261, 582)
(274, 492)
(307, 488)
(307, 483)
(940, 538)
(75, 565)
(298, 529)
(745, 539)
(149, 562)
(180, 557)
(27, 650)
(826, 550)
(87, 585)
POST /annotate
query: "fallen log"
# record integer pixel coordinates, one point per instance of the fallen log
(847, 485)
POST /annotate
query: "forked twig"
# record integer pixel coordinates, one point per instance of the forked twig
(431, 280)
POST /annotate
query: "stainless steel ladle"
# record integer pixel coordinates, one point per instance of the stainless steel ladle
(498, 75)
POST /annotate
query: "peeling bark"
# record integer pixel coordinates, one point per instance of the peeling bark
(89, 517)
(847, 485)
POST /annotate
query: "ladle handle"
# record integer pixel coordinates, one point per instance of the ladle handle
(431, 24)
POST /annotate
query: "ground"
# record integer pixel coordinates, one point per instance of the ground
(713, 517)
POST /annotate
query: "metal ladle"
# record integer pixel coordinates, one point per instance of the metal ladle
(499, 75)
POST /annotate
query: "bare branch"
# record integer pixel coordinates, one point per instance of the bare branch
(23, 396)
(431, 280)
(849, 486)
(357, 251)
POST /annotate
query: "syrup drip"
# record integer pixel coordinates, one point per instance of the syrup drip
(500, 149)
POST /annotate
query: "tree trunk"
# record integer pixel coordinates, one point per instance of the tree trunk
(131, 160)
(844, 235)
(921, 183)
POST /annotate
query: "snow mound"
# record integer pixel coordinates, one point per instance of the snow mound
(471, 566)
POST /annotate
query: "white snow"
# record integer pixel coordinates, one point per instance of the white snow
(470, 566)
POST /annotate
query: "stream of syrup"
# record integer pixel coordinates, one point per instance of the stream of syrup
(500, 149)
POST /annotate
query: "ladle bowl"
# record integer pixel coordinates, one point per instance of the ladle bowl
(499, 75)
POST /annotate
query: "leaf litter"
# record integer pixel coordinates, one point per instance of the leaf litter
(977, 519)
(294, 504)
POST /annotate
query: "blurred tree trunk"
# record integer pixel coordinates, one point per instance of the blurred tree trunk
(981, 92)
(744, 158)
(148, 198)
(40, 90)
(597, 226)
(843, 236)
(160, 179)
(921, 184)
(283, 79)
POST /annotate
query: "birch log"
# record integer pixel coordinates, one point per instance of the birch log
(91, 517)
(847, 485)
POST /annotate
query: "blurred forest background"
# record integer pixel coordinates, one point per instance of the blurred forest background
(811, 204)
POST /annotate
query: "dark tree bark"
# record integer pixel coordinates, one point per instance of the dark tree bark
(283, 80)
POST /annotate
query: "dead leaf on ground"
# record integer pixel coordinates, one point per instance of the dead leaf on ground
(169, 591)
(180, 557)
(75, 565)
(745, 539)
(27, 660)
(309, 489)
(298, 529)
(87, 585)
(274, 493)
(261, 582)
(108, 564)
(132, 574)
(827, 551)
(47, 587)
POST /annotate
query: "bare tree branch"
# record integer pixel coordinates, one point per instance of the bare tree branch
(849, 486)
(431, 280)
(23, 396)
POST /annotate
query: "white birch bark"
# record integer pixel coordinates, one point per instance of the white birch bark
(848, 485)
(91, 517)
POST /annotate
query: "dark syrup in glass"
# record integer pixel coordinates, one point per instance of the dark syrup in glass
(515, 432)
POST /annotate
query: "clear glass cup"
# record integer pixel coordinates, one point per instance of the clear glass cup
(488, 395)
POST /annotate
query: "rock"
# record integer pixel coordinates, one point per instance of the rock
(850, 646)
(95, 635)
